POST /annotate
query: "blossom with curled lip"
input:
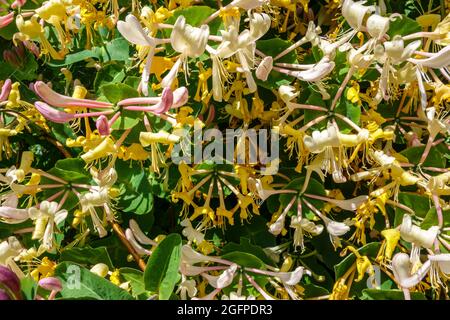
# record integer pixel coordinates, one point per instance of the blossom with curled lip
(46, 217)
(132, 30)
(190, 42)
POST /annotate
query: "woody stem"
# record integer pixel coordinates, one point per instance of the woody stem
(119, 232)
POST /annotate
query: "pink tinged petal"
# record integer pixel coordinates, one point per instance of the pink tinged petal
(189, 270)
(190, 256)
(132, 30)
(139, 249)
(139, 235)
(438, 60)
(51, 284)
(53, 114)
(224, 280)
(6, 19)
(13, 215)
(180, 97)
(164, 104)
(18, 4)
(134, 101)
(6, 88)
(291, 278)
(60, 216)
(102, 125)
(58, 100)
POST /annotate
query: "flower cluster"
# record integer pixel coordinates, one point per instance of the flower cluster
(98, 100)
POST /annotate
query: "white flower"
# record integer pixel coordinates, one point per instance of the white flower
(188, 40)
(320, 70)
(187, 288)
(132, 30)
(46, 217)
(336, 229)
(355, 12)
(401, 266)
(190, 233)
(319, 140)
(10, 251)
(416, 235)
(223, 280)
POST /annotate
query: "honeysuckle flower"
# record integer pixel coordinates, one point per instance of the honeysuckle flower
(6, 19)
(223, 280)
(132, 30)
(45, 218)
(302, 225)
(190, 257)
(355, 12)
(6, 89)
(243, 46)
(190, 233)
(190, 42)
(51, 284)
(436, 60)
(187, 288)
(402, 268)
(414, 234)
(10, 251)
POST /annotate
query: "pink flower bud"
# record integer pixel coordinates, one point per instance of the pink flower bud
(18, 4)
(53, 114)
(51, 284)
(102, 125)
(6, 88)
(11, 58)
(10, 280)
(6, 19)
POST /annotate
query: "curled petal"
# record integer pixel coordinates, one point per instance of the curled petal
(438, 60)
(401, 266)
(224, 280)
(13, 215)
(131, 30)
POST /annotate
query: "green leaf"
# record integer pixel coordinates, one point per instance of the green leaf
(418, 203)
(161, 273)
(246, 246)
(79, 283)
(273, 47)
(136, 279)
(87, 256)
(403, 27)
(377, 294)
(244, 259)
(431, 219)
(134, 181)
(28, 287)
(434, 158)
(116, 92)
(116, 50)
(71, 170)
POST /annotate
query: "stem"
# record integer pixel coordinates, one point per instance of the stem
(342, 87)
(119, 231)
